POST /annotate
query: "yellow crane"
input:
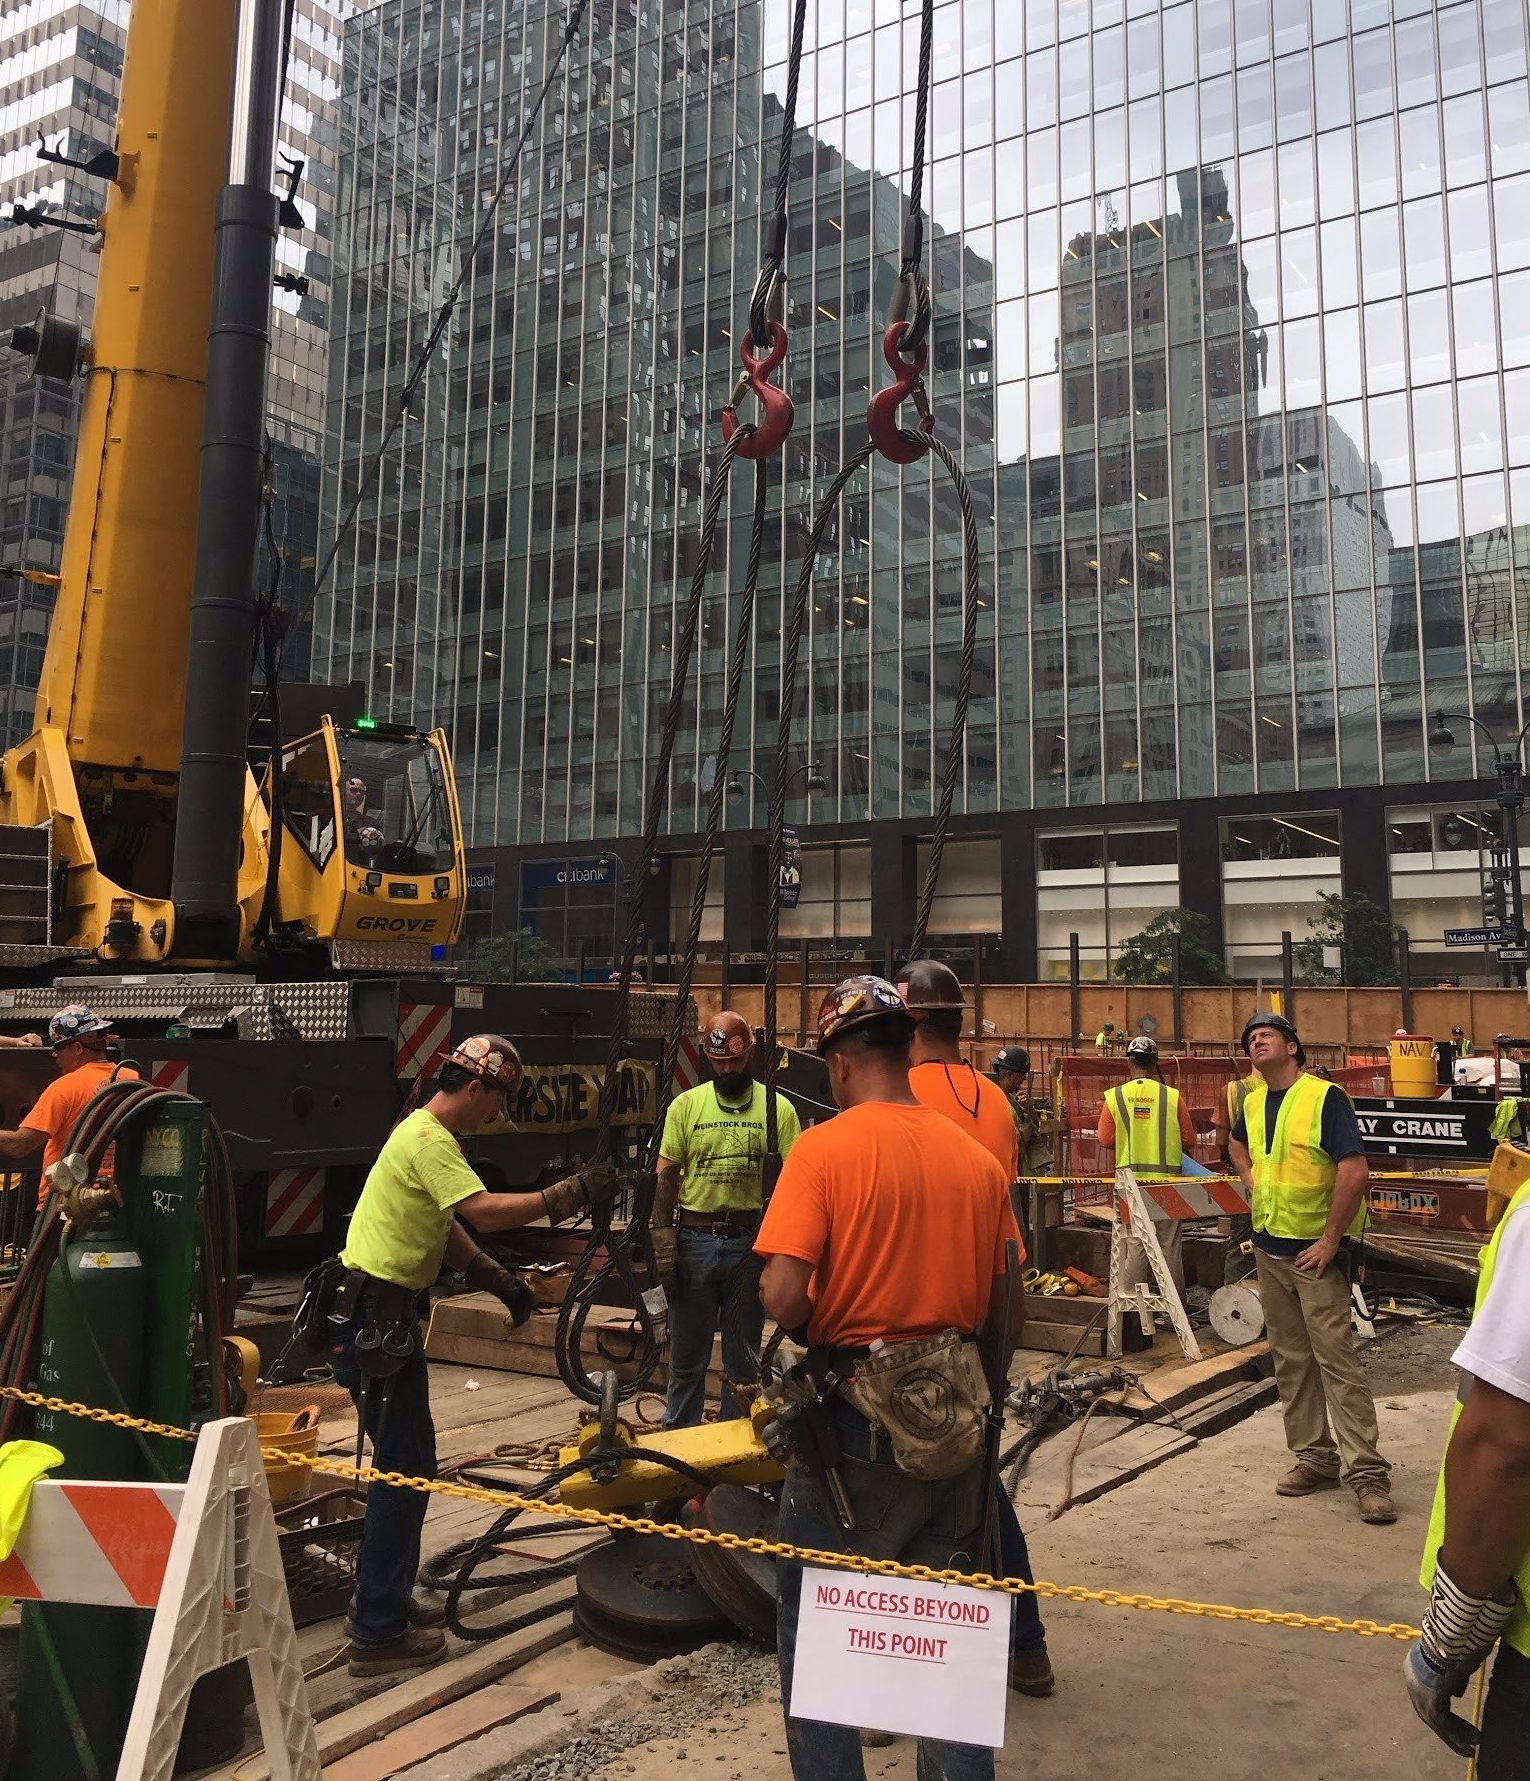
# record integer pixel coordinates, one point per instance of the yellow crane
(135, 831)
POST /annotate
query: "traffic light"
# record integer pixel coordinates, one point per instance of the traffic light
(1495, 903)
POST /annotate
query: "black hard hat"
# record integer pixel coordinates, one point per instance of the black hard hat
(1014, 1058)
(1279, 1024)
(928, 986)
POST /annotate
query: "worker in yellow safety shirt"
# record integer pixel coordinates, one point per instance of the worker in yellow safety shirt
(1300, 1156)
(1151, 1130)
(1477, 1554)
(1104, 1039)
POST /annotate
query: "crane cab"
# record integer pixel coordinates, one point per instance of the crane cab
(370, 865)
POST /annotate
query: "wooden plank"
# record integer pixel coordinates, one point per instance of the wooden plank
(1116, 1462)
(1225, 1409)
(1174, 1386)
(425, 1691)
(497, 1704)
(1059, 1338)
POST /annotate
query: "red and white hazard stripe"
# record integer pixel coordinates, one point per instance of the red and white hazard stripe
(1212, 1198)
(690, 1068)
(172, 1073)
(295, 1203)
(102, 1543)
(424, 1032)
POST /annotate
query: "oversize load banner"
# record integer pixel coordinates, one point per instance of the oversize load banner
(557, 1098)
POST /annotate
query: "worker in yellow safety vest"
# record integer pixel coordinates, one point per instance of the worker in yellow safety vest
(1477, 1554)
(1301, 1159)
(1151, 1129)
(1104, 1039)
(1236, 1265)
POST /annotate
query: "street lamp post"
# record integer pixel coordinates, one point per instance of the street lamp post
(814, 781)
(1506, 898)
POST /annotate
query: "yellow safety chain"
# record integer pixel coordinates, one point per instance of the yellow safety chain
(1157, 1180)
(701, 1536)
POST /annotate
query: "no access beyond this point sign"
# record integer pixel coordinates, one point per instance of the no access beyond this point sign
(929, 1659)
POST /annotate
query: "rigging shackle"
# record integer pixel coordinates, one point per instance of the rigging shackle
(776, 410)
(898, 444)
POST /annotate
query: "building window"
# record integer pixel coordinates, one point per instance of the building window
(1437, 856)
(1105, 885)
(1273, 870)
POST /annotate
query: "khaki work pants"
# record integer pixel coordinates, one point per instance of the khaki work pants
(1329, 1412)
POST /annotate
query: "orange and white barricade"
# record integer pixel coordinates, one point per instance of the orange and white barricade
(204, 1556)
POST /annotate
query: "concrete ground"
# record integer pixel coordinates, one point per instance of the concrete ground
(1158, 1697)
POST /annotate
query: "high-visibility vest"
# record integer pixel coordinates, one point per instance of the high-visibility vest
(1237, 1094)
(1293, 1175)
(1517, 1633)
(1146, 1116)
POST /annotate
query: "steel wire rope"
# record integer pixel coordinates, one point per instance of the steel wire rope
(773, 245)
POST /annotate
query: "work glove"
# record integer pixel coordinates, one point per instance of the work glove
(1460, 1630)
(666, 1265)
(590, 1186)
(488, 1275)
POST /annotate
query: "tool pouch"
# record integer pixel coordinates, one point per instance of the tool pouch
(929, 1399)
(311, 1322)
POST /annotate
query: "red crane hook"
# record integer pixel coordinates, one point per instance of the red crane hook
(776, 410)
(896, 444)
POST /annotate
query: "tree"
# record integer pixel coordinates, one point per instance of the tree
(1147, 957)
(489, 960)
(1364, 935)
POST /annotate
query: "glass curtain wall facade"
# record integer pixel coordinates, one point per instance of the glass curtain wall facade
(1232, 329)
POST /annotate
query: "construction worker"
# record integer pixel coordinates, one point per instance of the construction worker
(1477, 1553)
(1011, 1069)
(1104, 1039)
(1148, 1126)
(81, 1041)
(364, 1309)
(1225, 1115)
(1297, 1149)
(712, 1185)
(884, 1242)
(944, 1081)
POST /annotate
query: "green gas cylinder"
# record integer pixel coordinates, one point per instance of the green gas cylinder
(94, 1308)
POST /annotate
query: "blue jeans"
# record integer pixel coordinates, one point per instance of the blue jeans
(709, 1269)
(404, 1441)
(1504, 1754)
(1026, 1633)
(936, 1524)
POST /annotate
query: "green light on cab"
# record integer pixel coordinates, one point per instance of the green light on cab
(366, 723)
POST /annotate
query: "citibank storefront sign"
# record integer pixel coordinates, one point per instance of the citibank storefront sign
(548, 887)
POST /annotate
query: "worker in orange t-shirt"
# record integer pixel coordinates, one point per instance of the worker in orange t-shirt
(943, 1080)
(80, 1040)
(887, 1226)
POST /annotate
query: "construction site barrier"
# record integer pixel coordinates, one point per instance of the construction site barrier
(640, 1524)
(204, 1556)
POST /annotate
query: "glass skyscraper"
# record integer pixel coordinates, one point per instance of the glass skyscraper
(1232, 331)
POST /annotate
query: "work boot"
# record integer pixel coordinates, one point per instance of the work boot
(421, 1612)
(1030, 1672)
(1303, 1479)
(420, 1646)
(1376, 1504)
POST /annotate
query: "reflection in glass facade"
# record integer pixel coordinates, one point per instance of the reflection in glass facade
(1232, 306)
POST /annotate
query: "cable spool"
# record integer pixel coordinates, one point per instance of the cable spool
(1237, 1314)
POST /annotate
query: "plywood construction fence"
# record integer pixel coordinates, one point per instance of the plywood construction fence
(1337, 1020)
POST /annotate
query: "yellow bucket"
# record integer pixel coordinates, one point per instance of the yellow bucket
(1413, 1069)
(297, 1433)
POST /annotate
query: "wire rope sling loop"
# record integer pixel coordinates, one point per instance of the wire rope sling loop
(626, 1256)
(905, 346)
